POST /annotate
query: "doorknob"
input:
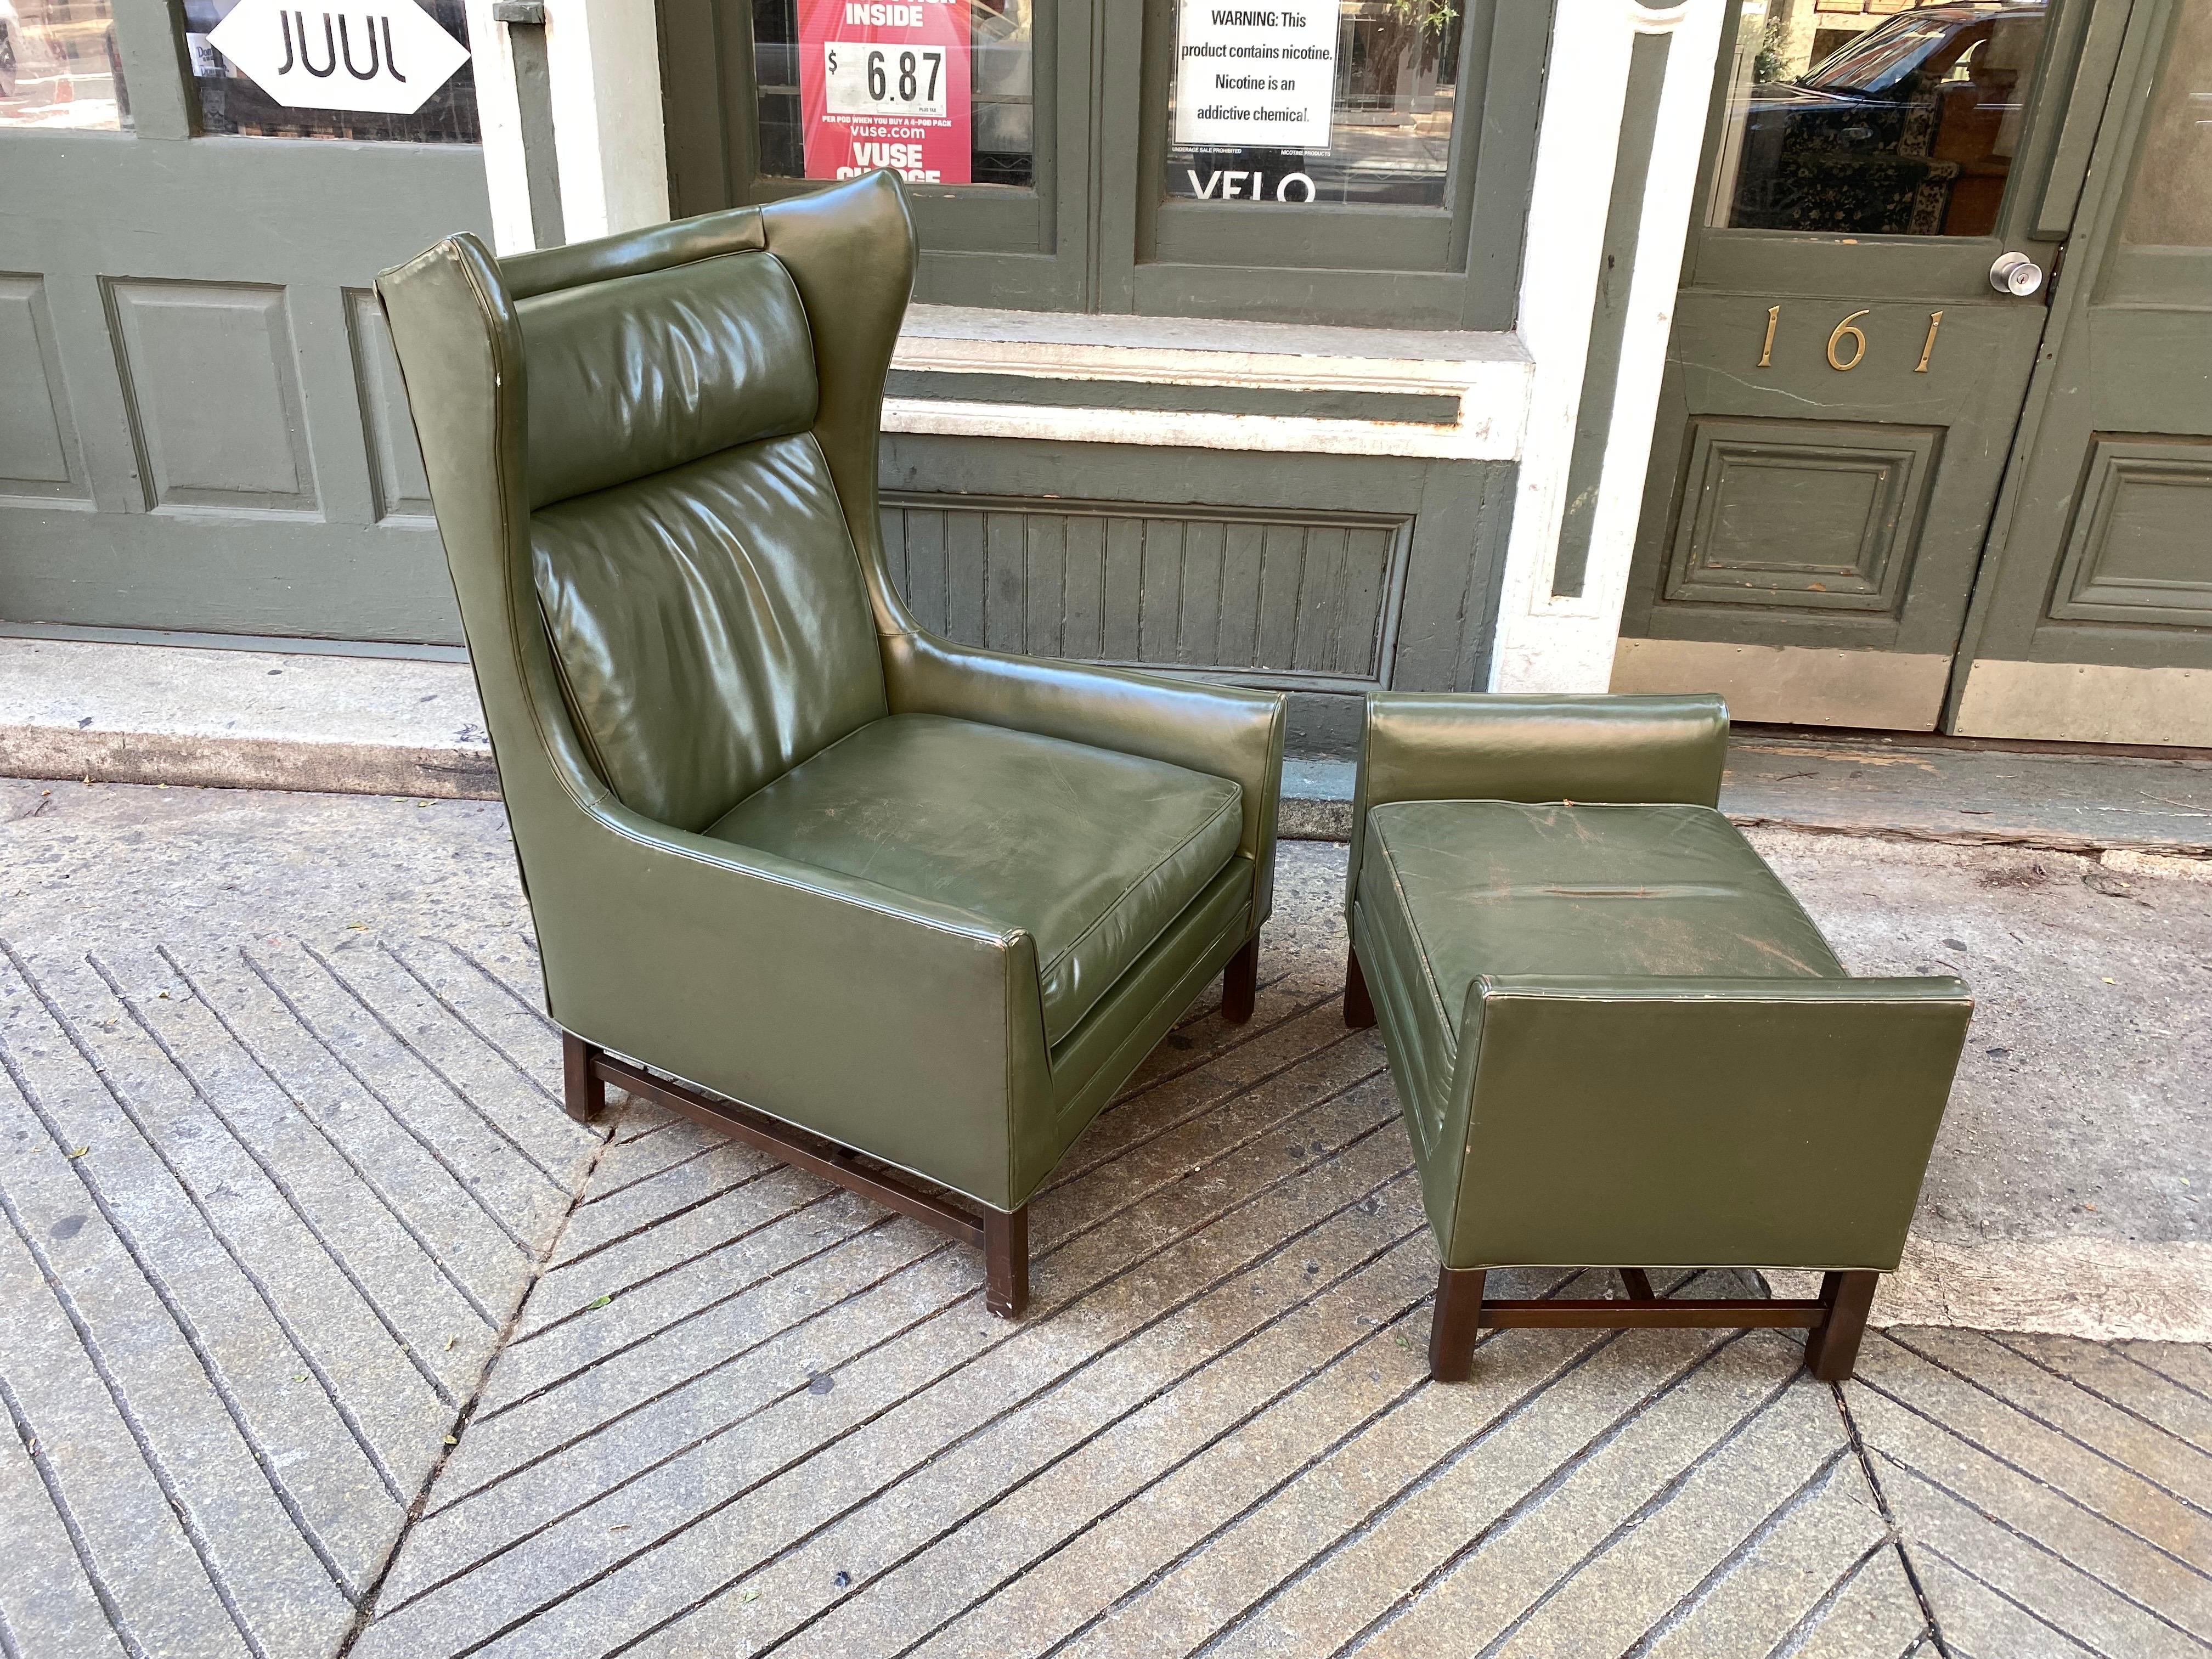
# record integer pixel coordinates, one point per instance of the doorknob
(2016, 274)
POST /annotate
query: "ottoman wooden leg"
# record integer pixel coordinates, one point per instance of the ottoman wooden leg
(1452, 1330)
(1007, 1261)
(1359, 1006)
(585, 1094)
(1240, 983)
(1831, 1347)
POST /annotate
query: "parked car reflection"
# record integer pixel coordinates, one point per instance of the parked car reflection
(59, 66)
(1909, 129)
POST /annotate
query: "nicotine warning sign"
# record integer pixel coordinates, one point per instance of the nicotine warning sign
(884, 83)
(1255, 75)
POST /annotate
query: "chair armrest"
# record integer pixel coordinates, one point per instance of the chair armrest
(1688, 1122)
(1553, 746)
(1223, 730)
(1600, 749)
(905, 1027)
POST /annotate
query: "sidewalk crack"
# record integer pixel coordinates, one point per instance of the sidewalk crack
(365, 1612)
(1889, 1520)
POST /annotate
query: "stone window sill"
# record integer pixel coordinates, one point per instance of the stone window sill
(1179, 382)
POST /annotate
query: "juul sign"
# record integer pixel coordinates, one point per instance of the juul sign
(388, 56)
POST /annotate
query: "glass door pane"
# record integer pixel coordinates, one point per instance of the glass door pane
(1380, 150)
(944, 92)
(232, 101)
(59, 68)
(2171, 203)
(982, 106)
(1352, 102)
(1874, 118)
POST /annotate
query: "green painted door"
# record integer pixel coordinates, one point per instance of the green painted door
(1846, 375)
(202, 428)
(2094, 618)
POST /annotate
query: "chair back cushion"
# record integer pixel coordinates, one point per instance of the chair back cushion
(637, 374)
(702, 594)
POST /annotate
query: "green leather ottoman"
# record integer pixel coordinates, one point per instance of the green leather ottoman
(1615, 1035)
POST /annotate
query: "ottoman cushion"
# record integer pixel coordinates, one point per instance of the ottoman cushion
(1456, 888)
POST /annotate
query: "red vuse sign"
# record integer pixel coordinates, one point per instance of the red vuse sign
(884, 83)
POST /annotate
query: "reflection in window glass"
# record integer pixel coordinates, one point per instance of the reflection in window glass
(940, 89)
(59, 66)
(1376, 127)
(231, 102)
(1874, 118)
(2171, 206)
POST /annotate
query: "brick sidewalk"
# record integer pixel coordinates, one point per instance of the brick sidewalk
(302, 1263)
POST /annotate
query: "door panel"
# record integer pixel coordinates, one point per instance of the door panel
(39, 451)
(174, 342)
(1842, 382)
(1847, 506)
(1855, 494)
(202, 427)
(2094, 618)
(2136, 551)
(399, 487)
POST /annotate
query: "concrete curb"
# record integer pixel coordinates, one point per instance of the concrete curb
(384, 725)
(242, 720)
(2048, 801)
(249, 763)
(2106, 1290)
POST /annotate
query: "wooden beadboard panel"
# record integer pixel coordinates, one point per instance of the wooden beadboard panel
(1297, 599)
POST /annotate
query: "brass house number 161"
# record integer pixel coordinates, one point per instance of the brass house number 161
(1847, 337)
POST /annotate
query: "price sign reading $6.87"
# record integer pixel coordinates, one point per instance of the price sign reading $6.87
(863, 79)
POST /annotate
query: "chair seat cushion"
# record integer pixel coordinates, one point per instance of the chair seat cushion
(1452, 890)
(1094, 853)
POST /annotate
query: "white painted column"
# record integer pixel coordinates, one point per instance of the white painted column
(603, 60)
(501, 122)
(1547, 643)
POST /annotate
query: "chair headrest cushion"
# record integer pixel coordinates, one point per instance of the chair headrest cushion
(633, 375)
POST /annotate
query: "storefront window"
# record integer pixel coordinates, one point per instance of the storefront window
(59, 66)
(1106, 155)
(300, 72)
(1345, 101)
(1881, 117)
(940, 89)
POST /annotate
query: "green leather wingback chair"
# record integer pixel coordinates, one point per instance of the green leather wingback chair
(784, 848)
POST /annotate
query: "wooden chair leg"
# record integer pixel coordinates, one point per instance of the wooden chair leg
(1007, 1261)
(1637, 1281)
(1359, 1006)
(1831, 1347)
(1240, 983)
(1453, 1327)
(585, 1095)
